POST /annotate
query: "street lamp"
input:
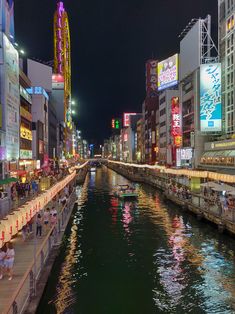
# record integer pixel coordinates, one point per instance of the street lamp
(22, 51)
(73, 112)
(73, 102)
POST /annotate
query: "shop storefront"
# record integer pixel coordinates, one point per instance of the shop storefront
(219, 154)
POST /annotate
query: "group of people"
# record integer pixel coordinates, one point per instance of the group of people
(180, 191)
(45, 219)
(224, 201)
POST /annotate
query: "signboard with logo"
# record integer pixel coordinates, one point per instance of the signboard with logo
(57, 81)
(176, 131)
(210, 98)
(25, 114)
(26, 133)
(151, 76)
(168, 72)
(11, 98)
(26, 154)
(126, 119)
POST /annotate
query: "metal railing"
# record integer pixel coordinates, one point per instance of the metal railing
(26, 290)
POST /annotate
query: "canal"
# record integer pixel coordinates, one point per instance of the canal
(138, 258)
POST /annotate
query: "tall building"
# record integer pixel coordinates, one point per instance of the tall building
(149, 109)
(62, 67)
(199, 90)
(26, 162)
(227, 55)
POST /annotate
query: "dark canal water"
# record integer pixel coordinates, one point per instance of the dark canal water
(148, 257)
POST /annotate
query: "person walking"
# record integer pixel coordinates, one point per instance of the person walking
(39, 225)
(46, 217)
(2, 258)
(9, 260)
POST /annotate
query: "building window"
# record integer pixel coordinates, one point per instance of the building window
(230, 23)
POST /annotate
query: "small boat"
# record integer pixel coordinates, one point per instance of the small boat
(125, 191)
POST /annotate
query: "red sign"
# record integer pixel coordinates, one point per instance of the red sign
(176, 131)
(126, 119)
(151, 76)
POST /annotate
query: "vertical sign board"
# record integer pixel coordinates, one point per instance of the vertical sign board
(126, 119)
(176, 131)
(151, 77)
(210, 98)
(11, 98)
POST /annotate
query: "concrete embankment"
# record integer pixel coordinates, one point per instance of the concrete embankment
(196, 204)
(35, 257)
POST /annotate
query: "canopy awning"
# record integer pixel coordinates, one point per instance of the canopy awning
(7, 181)
(219, 153)
(218, 187)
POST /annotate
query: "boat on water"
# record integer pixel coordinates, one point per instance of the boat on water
(125, 191)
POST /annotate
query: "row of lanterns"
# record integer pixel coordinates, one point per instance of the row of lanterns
(14, 222)
(185, 172)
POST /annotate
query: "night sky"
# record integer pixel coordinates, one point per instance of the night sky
(111, 40)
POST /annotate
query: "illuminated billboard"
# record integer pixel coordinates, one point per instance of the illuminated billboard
(210, 97)
(11, 98)
(151, 76)
(57, 81)
(168, 72)
(126, 119)
(176, 131)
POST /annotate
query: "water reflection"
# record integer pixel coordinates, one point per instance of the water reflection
(146, 251)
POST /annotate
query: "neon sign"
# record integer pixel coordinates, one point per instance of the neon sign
(176, 122)
(210, 98)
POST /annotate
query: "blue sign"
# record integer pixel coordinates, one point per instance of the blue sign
(210, 98)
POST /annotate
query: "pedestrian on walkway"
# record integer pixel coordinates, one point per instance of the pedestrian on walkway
(9, 260)
(2, 258)
(39, 225)
(53, 215)
(24, 232)
(46, 217)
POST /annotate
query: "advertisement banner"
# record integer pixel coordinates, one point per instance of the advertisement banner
(26, 154)
(151, 76)
(7, 18)
(210, 98)
(168, 72)
(11, 98)
(26, 133)
(176, 130)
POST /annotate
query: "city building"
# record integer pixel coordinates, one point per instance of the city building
(26, 162)
(226, 28)
(128, 140)
(140, 141)
(10, 106)
(40, 101)
(168, 121)
(150, 108)
(200, 92)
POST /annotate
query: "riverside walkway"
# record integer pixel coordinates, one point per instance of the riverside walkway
(15, 294)
(33, 255)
